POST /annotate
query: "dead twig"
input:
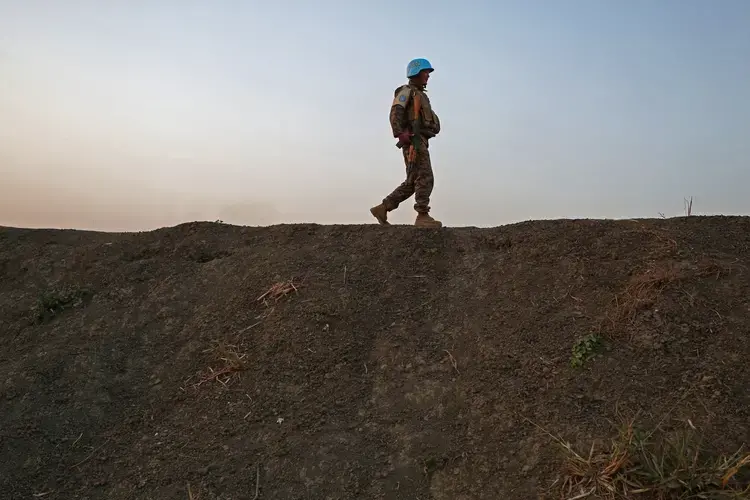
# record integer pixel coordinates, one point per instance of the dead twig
(453, 361)
(216, 375)
(257, 482)
(90, 455)
(76, 441)
(248, 327)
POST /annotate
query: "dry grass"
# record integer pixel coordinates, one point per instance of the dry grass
(642, 291)
(662, 235)
(278, 290)
(232, 360)
(656, 465)
(644, 288)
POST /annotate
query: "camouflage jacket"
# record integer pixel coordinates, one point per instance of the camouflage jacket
(402, 113)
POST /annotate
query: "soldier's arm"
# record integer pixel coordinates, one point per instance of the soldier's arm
(397, 119)
(398, 110)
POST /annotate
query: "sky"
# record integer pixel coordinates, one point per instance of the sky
(133, 115)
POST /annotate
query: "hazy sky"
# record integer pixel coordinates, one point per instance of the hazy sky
(136, 114)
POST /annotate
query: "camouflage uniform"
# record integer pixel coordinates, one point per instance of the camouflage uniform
(420, 180)
(413, 128)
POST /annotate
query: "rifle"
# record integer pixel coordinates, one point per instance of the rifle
(412, 155)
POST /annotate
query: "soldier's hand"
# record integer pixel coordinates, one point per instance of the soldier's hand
(405, 137)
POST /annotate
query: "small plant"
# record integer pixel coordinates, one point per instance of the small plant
(53, 302)
(584, 349)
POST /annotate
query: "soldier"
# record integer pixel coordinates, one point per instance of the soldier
(413, 123)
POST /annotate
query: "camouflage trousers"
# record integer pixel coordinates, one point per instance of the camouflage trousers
(419, 182)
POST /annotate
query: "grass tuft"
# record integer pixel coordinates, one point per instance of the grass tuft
(655, 465)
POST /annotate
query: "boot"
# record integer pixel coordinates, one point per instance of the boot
(381, 213)
(424, 220)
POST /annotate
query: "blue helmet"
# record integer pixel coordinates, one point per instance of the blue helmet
(417, 65)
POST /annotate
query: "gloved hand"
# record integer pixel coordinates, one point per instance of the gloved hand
(405, 137)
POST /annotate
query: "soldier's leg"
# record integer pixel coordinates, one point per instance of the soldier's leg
(404, 190)
(424, 181)
(423, 184)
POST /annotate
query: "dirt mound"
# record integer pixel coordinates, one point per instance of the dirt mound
(210, 361)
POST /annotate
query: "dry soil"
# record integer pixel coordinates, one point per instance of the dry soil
(387, 362)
